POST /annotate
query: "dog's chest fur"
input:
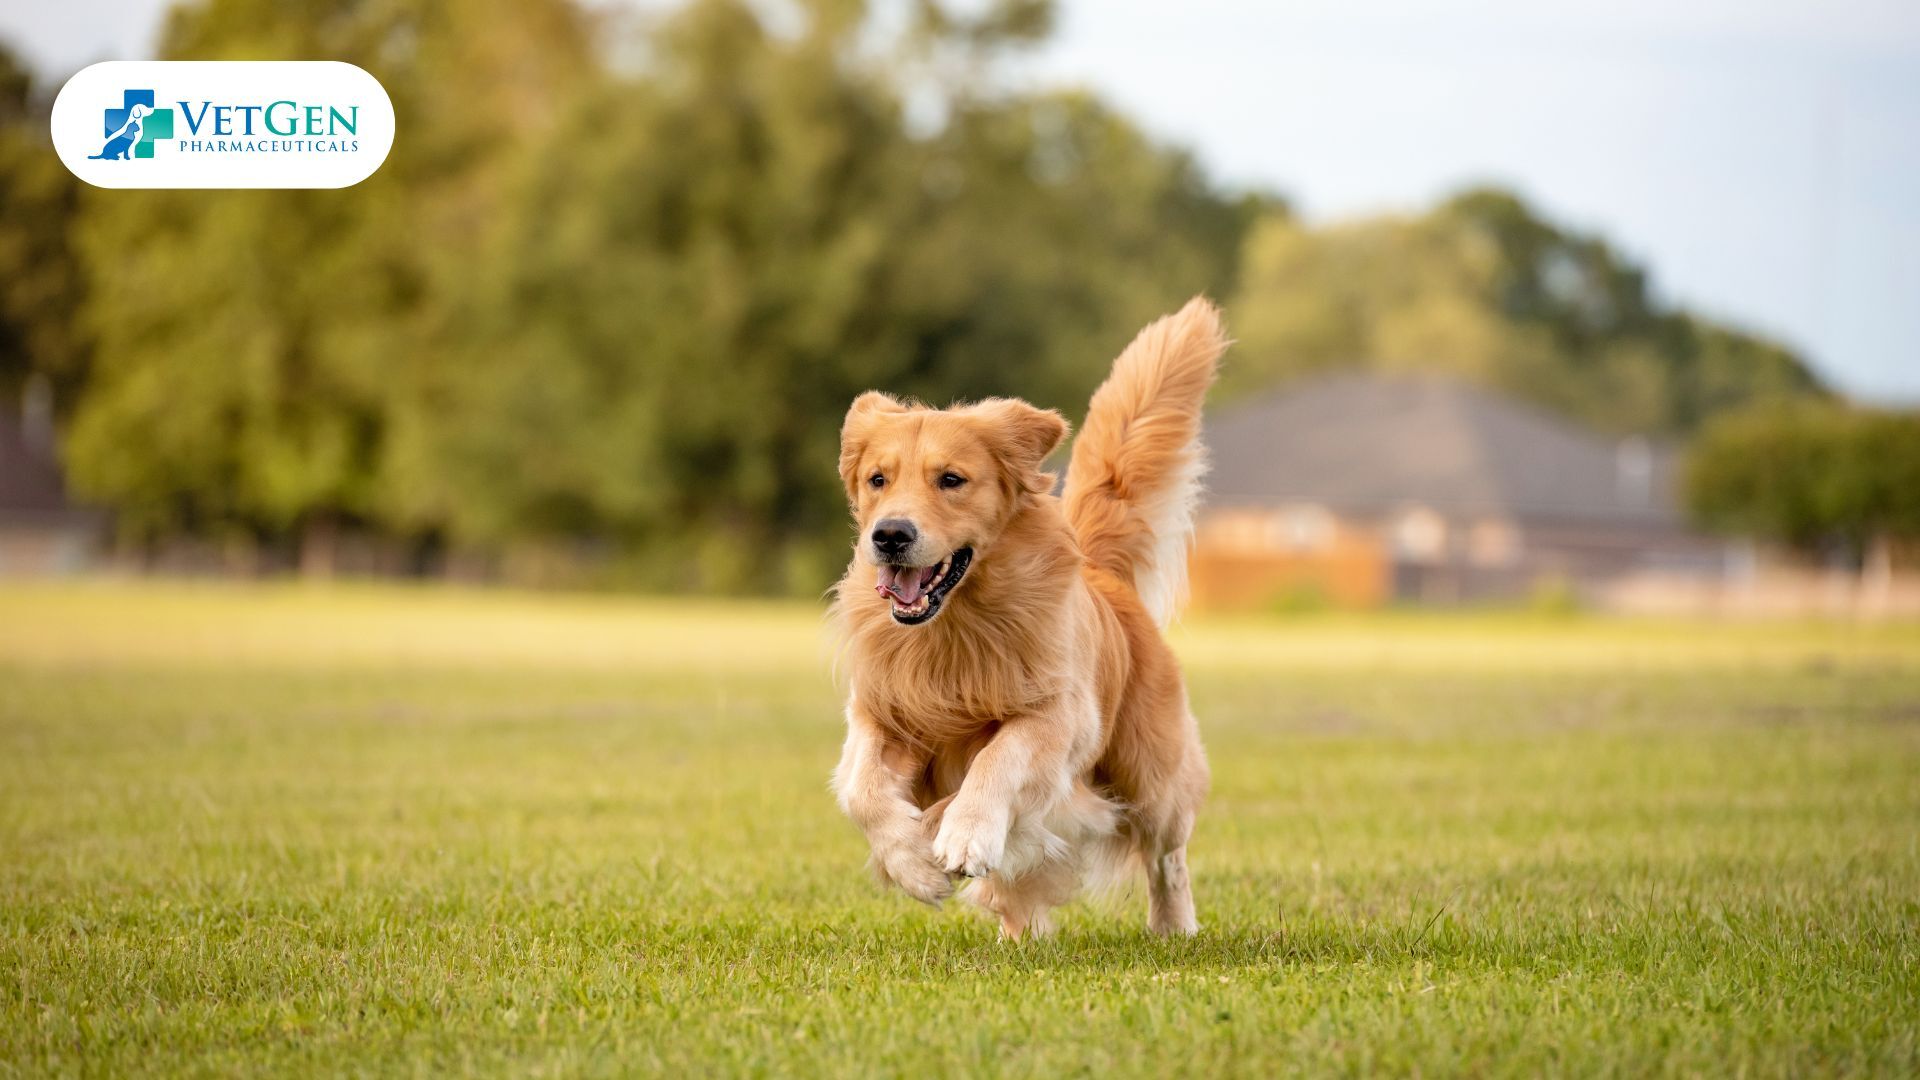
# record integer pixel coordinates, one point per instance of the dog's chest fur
(934, 685)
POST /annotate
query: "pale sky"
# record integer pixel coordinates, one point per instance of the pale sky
(1761, 157)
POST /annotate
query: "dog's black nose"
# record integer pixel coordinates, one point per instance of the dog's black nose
(893, 536)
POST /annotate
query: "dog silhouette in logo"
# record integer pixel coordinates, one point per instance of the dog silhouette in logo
(120, 146)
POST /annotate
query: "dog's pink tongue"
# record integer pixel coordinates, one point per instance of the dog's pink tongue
(903, 583)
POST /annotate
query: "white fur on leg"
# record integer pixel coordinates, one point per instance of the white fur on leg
(1048, 858)
(874, 796)
(973, 837)
(1079, 831)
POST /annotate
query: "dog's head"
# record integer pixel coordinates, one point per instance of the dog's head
(932, 489)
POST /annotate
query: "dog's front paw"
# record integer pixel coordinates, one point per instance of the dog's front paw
(911, 867)
(972, 839)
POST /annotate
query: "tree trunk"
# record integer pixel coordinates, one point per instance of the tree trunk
(1876, 576)
(319, 547)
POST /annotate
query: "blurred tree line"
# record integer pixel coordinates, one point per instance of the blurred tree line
(610, 294)
(1483, 288)
(1842, 483)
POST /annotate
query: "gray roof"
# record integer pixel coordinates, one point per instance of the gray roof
(1371, 444)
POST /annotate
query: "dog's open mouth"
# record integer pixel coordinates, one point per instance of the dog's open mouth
(918, 591)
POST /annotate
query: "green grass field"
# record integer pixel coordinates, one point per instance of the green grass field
(272, 830)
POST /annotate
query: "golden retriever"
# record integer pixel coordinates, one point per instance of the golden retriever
(1013, 713)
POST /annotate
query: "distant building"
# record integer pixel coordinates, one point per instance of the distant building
(41, 531)
(1363, 490)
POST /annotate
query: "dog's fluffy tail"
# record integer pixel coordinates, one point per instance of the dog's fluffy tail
(1137, 464)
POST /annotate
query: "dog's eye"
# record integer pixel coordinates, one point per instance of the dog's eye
(951, 480)
(877, 480)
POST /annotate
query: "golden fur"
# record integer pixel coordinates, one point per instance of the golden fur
(1035, 729)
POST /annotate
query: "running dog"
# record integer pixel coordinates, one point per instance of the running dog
(1014, 715)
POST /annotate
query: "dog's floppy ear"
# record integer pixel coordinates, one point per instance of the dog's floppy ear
(1022, 437)
(858, 427)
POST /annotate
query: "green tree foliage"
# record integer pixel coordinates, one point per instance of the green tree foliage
(249, 342)
(1818, 477)
(707, 259)
(41, 285)
(612, 301)
(1485, 289)
(589, 304)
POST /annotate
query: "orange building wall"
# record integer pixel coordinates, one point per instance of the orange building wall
(1240, 563)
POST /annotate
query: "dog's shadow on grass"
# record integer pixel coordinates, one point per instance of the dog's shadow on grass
(1232, 947)
(954, 946)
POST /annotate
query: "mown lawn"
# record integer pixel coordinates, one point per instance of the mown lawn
(252, 830)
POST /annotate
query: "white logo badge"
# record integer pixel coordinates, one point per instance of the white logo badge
(222, 124)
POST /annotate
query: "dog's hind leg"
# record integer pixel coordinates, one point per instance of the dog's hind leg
(1163, 829)
(1170, 894)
